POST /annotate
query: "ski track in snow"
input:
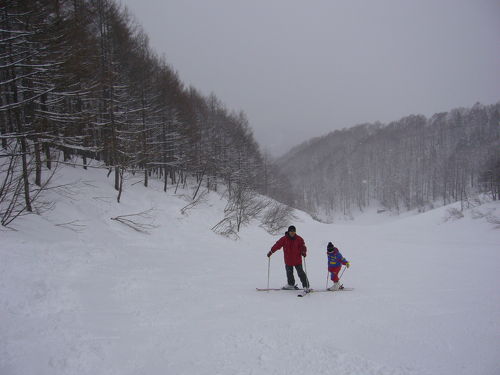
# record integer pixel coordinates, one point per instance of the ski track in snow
(182, 300)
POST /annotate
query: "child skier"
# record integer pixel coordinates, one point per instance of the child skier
(335, 262)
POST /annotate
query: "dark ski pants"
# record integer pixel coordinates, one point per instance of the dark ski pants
(300, 272)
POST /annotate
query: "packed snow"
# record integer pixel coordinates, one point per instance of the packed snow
(83, 294)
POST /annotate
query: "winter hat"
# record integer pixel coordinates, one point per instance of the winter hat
(291, 228)
(330, 247)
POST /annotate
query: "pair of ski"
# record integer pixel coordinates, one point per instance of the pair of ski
(341, 289)
(304, 293)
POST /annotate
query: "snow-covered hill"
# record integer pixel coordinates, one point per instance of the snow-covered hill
(83, 294)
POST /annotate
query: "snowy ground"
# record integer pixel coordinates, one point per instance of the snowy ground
(181, 300)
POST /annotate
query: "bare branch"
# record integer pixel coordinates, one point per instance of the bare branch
(140, 227)
(73, 226)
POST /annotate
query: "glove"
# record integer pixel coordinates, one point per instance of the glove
(304, 254)
(269, 253)
(347, 264)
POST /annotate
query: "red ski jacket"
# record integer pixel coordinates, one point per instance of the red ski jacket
(293, 249)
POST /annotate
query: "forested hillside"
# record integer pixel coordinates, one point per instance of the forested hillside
(78, 78)
(412, 163)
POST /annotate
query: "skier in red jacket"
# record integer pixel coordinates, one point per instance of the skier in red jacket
(294, 249)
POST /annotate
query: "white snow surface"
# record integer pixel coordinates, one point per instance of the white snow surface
(101, 298)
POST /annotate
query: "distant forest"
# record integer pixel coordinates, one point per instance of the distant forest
(413, 163)
(79, 79)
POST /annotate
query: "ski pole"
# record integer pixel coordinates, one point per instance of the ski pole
(305, 271)
(342, 273)
(268, 270)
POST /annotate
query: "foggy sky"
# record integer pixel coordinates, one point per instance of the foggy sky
(300, 69)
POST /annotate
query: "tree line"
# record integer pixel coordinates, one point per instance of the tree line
(78, 78)
(408, 164)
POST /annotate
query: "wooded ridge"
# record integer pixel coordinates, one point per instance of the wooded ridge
(408, 164)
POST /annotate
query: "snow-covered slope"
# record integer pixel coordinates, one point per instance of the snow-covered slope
(83, 294)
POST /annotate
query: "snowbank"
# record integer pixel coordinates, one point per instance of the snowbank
(83, 294)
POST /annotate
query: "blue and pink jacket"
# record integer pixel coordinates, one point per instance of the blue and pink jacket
(335, 259)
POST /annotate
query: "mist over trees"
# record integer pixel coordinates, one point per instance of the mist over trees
(78, 78)
(408, 164)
